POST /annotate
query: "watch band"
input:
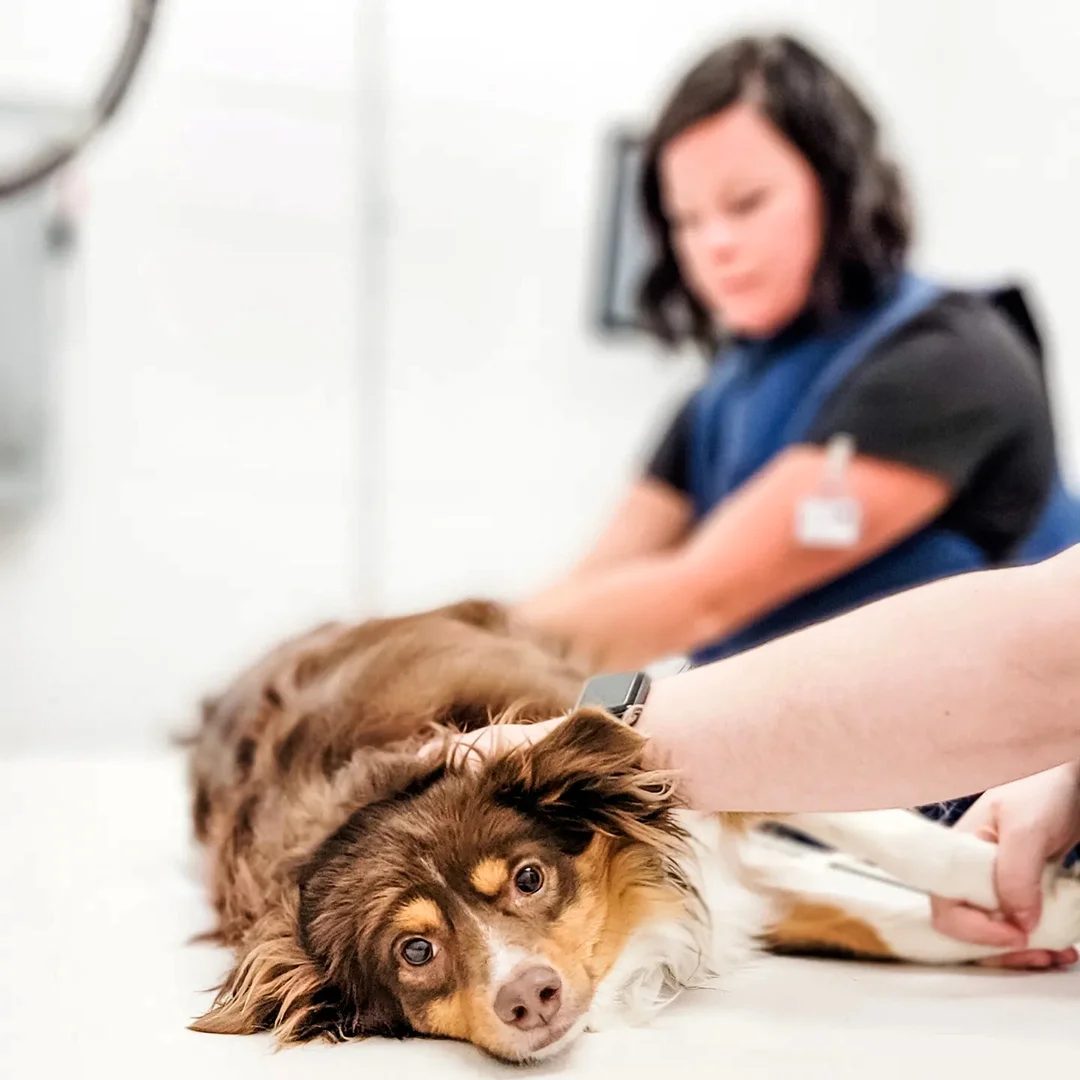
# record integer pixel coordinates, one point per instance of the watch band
(622, 694)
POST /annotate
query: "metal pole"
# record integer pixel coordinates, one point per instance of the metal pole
(372, 258)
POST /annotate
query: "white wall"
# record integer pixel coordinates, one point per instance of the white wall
(223, 403)
(209, 456)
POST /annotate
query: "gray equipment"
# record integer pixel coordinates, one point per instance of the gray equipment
(28, 243)
(36, 142)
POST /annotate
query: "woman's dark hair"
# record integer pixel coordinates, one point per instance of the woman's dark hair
(867, 228)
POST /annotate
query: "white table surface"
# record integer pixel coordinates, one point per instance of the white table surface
(98, 897)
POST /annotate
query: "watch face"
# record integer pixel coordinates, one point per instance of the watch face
(613, 692)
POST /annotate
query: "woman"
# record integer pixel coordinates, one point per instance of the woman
(782, 235)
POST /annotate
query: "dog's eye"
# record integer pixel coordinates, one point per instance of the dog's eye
(417, 951)
(528, 880)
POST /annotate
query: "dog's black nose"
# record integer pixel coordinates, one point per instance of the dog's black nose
(530, 1000)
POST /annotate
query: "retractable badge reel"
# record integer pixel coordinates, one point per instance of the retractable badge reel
(833, 517)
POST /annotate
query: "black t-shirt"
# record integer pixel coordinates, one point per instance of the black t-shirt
(956, 392)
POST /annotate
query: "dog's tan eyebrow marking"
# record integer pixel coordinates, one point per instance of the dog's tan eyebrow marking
(489, 876)
(419, 914)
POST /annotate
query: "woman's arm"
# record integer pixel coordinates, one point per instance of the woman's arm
(654, 514)
(742, 561)
(651, 519)
(934, 693)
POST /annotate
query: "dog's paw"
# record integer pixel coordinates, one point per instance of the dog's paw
(1059, 927)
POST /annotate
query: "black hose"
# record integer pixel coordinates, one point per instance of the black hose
(53, 157)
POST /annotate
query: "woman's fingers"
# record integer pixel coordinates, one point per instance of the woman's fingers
(977, 927)
(472, 748)
(1032, 960)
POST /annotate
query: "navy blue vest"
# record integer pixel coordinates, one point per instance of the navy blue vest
(759, 401)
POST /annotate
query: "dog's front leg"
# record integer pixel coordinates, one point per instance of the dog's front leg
(919, 852)
(942, 861)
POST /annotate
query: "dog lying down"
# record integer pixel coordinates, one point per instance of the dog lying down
(366, 888)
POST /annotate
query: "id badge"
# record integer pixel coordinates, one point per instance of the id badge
(828, 522)
(831, 518)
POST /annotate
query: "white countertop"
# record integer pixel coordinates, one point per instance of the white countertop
(98, 897)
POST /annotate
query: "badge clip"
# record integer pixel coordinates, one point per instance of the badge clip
(833, 517)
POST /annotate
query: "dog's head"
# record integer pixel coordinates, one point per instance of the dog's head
(481, 904)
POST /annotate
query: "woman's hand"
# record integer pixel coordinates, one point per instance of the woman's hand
(472, 747)
(1032, 821)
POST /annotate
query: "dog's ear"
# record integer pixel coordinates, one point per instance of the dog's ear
(586, 777)
(297, 988)
(277, 987)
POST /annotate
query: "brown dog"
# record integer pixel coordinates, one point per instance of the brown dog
(366, 888)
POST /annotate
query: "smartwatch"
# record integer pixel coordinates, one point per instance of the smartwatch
(621, 694)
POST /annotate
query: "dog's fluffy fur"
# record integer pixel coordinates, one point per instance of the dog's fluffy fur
(367, 886)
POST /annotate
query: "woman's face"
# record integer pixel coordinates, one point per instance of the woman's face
(746, 217)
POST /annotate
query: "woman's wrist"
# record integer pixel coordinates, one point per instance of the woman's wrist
(651, 727)
(1071, 769)
(1069, 772)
